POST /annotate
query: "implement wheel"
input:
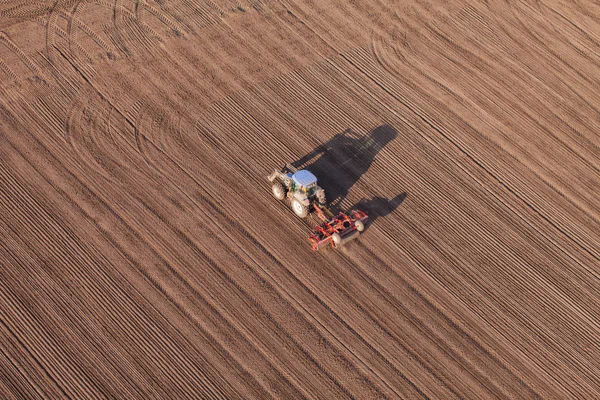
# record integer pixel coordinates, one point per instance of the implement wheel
(360, 226)
(337, 239)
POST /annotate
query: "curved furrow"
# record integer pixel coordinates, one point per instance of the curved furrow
(139, 143)
(146, 256)
(196, 15)
(105, 149)
(52, 28)
(188, 186)
(163, 16)
(138, 136)
(87, 140)
(67, 53)
(361, 61)
(554, 177)
(139, 16)
(114, 32)
(30, 63)
(63, 84)
(327, 22)
(140, 267)
(25, 9)
(388, 332)
(75, 108)
(138, 38)
(75, 25)
(200, 14)
(236, 113)
(273, 384)
(499, 54)
(9, 71)
(246, 280)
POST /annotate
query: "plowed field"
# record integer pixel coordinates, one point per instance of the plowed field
(143, 255)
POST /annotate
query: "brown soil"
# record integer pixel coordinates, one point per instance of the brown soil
(143, 255)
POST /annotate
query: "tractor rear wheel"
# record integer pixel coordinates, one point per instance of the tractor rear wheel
(278, 191)
(300, 209)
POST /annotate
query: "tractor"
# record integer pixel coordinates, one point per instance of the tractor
(300, 186)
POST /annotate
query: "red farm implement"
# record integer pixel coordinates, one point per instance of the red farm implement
(337, 229)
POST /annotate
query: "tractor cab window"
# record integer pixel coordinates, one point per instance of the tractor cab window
(308, 190)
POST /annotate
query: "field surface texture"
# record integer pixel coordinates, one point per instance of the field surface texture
(142, 254)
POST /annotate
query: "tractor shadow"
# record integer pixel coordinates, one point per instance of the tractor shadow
(379, 206)
(339, 163)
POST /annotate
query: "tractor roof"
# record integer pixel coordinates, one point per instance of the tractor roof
(304, 178)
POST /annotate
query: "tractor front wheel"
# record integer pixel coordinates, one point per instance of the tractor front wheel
(300, 209)
(278, 191)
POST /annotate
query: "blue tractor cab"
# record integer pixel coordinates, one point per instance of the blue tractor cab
(304, 179)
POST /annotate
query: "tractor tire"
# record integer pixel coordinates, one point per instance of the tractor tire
(360, 226)
(299, 209)
(278, 191)
(337, 239)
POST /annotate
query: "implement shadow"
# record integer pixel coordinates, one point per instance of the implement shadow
(380, 206)
(339, 163)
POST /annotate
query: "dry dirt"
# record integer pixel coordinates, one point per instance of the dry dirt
(143, 256)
